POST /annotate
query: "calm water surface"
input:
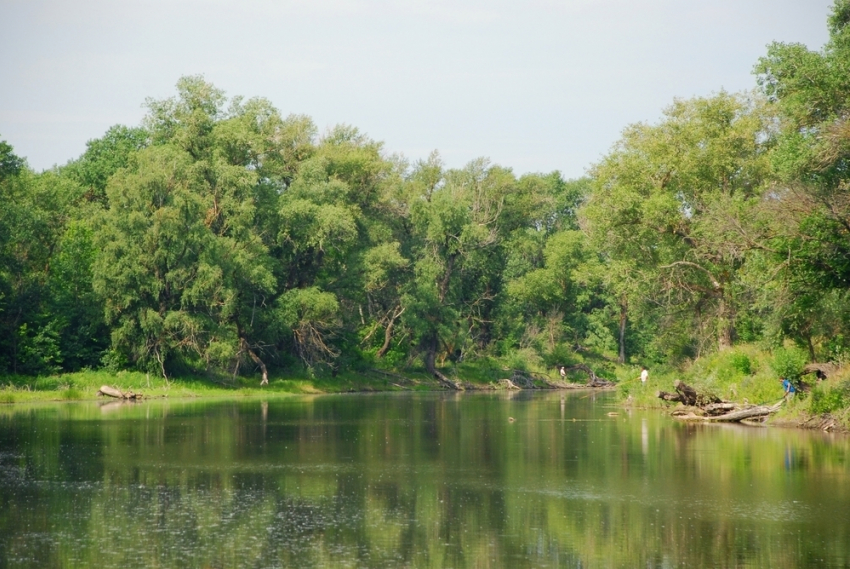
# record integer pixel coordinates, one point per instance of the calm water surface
(413, 480)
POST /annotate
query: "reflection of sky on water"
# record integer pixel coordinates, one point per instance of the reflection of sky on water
(417, 481)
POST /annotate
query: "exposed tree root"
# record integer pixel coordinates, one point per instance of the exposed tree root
(706, 407)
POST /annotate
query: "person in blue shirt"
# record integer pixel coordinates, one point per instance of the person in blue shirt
(787, 386)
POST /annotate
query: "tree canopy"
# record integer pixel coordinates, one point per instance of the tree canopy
(221, 237)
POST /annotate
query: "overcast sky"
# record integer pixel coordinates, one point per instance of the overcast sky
(535, 85)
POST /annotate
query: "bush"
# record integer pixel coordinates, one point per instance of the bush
(560, 355)
(741, 362)
(828, 399)
(789, 362)
(524, 359)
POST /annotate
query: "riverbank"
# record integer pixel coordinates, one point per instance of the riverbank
(749, 375)
(744, 375)
(85, 385)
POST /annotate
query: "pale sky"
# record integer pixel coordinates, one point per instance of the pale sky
(536, 85)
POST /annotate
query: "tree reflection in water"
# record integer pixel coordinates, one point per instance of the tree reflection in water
(415, 480)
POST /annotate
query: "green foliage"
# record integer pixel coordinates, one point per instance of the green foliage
(788, 362)
(10, 164)
(224, 239)
(667, 206)
(72, 394)
(104, 157)
(740, 362)
(38, 350)
(827, 401)
(524, 359)
(560, 355)
(742, 373)
(829, 397)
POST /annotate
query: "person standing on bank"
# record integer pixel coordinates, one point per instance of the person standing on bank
(788, 387)
(644, 375)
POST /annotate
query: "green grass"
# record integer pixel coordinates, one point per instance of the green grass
(744, 373)
(84, 385)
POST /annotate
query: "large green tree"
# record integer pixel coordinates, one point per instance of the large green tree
(185, 267)
(673, 201)
(50, 319)
(811, 194)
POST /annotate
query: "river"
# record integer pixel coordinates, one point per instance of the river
(474, 480)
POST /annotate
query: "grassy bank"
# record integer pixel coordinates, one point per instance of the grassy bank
(748, 374)
(483, 373)
(744, 374)
(84, 385)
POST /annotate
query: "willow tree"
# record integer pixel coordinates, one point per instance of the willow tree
(672, 200)
(185, 266)
(335, 241)
(455, 233)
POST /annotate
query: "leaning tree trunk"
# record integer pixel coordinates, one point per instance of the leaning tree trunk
(623, 316)
(388, 333)
(430, 358)
(256, 359)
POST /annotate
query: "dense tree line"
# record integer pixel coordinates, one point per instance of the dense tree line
(220, 236)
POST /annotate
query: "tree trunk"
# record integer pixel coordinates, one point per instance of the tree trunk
(725, 325)
(623, 315)
(388, 333)
(430, 357)
(256, 360)
(749, 413)
(117, 393)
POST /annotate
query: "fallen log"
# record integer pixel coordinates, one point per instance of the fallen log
(668, 396)
(747, 413)
(703, 407)
(688, 412)
(719, 408)
(446, 382)
(687, 395)
(117, 393)
(821, 370)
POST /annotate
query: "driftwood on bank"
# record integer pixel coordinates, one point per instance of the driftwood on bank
(687, 395)
(593, 380)
(821, 370)
(117, 393)
(704, 407)
(748, 412)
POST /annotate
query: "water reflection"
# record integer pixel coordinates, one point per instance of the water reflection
(425, 480)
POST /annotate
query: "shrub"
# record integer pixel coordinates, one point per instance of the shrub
(524, 359)
(789, 362)
(828, 399)
(560, 355)
(741, 362)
